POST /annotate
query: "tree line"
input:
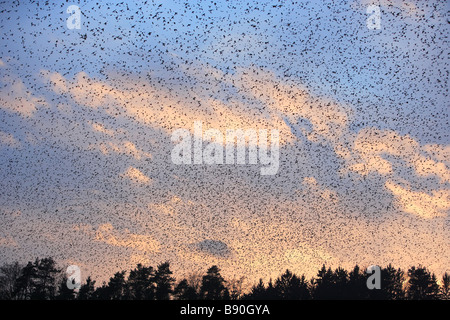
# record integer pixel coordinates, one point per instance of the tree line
(43, 280)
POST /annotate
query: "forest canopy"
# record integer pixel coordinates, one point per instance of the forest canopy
(44, 280)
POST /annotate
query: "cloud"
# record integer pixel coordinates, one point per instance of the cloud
(120, 148)
(428, 167)
(420, 203)
(171, 207)
(8, 139)
(434, 161)
(107, 234)
(101, 128)
(147, 103)
(390, 154)
(136, 175)
(16, 97)
(283, 98)
(56, 81)
(8, 242)
(372, 144)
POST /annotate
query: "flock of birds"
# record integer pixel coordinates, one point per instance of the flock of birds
(86, 117)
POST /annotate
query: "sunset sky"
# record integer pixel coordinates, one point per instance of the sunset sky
(86, 117)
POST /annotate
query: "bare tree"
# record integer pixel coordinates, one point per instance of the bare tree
(235, 287)
(9, 273)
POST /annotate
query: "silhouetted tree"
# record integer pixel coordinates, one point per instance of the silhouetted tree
(445, 290)
(421, 284)
(115, 288)
(289, 286)
(9, 273)
(271, 292)
(64, 293)
(213, 285)
(102, 293)
(258, 292)
(164, 282)
(38, 280)
(45, 279)
(356, 286)
(25, 284)
(141, 284)
(324, 288)
(194, 280)
(234, 287)
(184, 291)
(41, 279)
(340, 288)
(392, 283)
(87, 290)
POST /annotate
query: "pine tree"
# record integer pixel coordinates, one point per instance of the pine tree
(213, 285)
(87, 290)
(64, 293)
(141, 284)
(164, 282)
(445, 289)
(421, 284)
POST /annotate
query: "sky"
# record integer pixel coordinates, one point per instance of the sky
(86, 118)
